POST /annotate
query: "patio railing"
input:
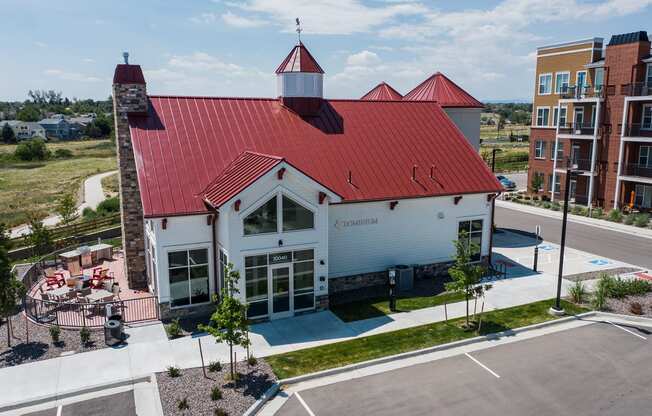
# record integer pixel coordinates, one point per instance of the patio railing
(90, 315)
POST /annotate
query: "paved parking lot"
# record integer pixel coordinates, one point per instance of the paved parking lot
(597, 369)
(121, 404)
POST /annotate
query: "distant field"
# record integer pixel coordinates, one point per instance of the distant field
(489, 133)
(110, 185)
(512, 157)
(36, 186)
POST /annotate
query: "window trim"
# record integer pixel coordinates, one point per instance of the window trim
(598, 87)
(551, 83)
(555, 115)
(557, 90)
(482, 233)
(544, 107)
(279, 194)
(543, 149)
(188, 248)
(644, 108)
(648, 156)
(648, 75)
(576, 110)
(586, 78)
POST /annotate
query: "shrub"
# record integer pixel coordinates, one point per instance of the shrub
(597, 213)
(583, 211)
(251, 360)
(173, 371)
(629, 219)
(620, 288)
(220, 412)
(108, 206)
(55, 333)
(182, 404)
(574, 209)
(84, 335)
(173, 329)
(599, 298)
(555, 206)
(578, 292)
(547, 205)
(63, 153)
(636, 308)
(34, 149)
(641, 220)
(214, 366)
(216, 394)
(615, 215)
(89, 213)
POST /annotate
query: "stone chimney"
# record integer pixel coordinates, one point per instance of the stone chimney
(130, 100)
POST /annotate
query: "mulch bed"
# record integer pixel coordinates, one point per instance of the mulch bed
(596, 274)
(40, 346)
(622, 306)
(196, 389)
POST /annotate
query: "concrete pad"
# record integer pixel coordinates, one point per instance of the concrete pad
(146, 333)
(31, 380)
(93, 368)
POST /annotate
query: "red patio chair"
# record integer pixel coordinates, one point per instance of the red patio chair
(97, 273)
(97, 283)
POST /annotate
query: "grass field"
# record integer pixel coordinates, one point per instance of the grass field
(489, 133)
(343, 353)
(36, 186)
(110, 185)
(512, 157)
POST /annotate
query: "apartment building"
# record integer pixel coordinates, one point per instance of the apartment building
(592, 112)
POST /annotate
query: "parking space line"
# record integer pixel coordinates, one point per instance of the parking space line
(627, 330)
(59, 408)
(305, 406)
(482, 365)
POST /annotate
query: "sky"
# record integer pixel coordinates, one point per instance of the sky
(231, 48)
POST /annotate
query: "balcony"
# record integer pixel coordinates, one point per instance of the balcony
(583, 165)
(573, 92)
(636, 89)
(578, 129)
(635, 169)
(637, 130)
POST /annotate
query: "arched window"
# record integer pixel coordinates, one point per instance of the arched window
(295, 216)
(262, 220)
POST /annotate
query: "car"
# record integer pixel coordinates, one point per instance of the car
(507, 183)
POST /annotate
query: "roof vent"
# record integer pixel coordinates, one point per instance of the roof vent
(125, 55)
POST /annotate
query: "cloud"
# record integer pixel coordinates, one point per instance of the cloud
(41, 44)
(364, 58)
(71, 76)
(88, 60)
(235, 20)
(332, 17)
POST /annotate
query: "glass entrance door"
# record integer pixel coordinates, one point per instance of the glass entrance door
(281, 289)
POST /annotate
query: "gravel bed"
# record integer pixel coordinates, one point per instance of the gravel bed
(40, 346)
(196, 389)
(596, 274)
(622, 305)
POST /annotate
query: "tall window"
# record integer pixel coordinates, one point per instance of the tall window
(262, 220)
(188, 274)
(470, 233)
(560, 150)
(561, 82)
(543, 114)
(545, 84)
(643, 196)
(224, 261)
(580, 82)
(256, 285)
(594, 113)
(646, 123)
(648, 78)
(562, 119)
(645, 156)
(599, 79)
(304, 279)
(295, 216)
(539, 149)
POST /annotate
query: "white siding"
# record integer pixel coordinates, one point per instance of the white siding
(412, 233)
(468, 121)
(300, 84)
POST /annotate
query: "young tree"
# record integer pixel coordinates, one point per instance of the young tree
(8, 135)
(229, 321)
(537, 183)
(67, 208)
(467, 276)
(11, 290)
(39, 237)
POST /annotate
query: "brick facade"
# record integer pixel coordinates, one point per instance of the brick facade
(130, 99)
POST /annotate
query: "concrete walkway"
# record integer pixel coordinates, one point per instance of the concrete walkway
(93, 195)
(604, 224)
(148, 349)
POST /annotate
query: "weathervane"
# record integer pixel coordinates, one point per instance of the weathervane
(299, 30)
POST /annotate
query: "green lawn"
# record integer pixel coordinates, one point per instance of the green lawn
(372, 308)
(339, 354)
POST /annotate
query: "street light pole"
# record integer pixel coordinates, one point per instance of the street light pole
(557, 309)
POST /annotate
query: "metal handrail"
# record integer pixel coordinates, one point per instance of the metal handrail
(636, 169)
(636, 89)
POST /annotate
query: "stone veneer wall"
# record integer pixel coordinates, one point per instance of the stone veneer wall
(130, 98)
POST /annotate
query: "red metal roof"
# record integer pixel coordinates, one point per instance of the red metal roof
(128, 74)
(185, 143)
(382, 92)
(241, 173)
(299, 60)
(441, 89)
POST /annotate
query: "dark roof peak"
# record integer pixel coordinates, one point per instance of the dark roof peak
(299, 60)
(128, 74)
(633, 37)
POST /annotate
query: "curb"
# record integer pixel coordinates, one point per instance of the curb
(74, 392)
(628, 318)
(271, 392)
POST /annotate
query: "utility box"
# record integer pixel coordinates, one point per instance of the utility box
(405, 277)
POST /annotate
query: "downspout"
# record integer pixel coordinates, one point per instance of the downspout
(491, 229)
(216, 278)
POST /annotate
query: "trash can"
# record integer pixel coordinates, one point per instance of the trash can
(113, 331)
(405, 277)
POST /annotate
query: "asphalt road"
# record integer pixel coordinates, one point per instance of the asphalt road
(595, 370)
(610, 244)
(121, 404)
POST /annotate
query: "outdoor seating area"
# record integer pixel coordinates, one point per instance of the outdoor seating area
(80, 289)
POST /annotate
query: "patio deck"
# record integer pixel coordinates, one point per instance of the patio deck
(134, 305)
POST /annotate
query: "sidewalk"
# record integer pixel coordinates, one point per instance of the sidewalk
(149, 350)
(593, 222)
